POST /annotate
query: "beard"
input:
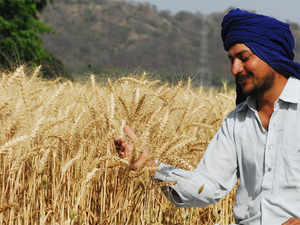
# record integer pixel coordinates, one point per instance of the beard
(259, 87)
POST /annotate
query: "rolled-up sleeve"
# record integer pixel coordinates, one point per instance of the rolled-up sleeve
(214, 177)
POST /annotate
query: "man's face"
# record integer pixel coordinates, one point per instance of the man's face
(251, 73)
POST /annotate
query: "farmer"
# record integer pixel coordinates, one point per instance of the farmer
(259, 142)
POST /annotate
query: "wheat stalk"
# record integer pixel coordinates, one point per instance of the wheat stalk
(55, 154)
(13, 142)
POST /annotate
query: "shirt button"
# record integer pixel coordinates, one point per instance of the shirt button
(270, 147)
(269, 169)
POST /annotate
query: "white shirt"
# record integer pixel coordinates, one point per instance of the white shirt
(266, 162)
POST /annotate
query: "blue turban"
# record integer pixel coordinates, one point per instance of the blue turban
(269, 39)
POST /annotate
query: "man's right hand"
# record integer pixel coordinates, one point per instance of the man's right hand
(126, 150)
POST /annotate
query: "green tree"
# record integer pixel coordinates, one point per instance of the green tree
(20, 30)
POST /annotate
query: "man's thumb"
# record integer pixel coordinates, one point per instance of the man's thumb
(129, 132)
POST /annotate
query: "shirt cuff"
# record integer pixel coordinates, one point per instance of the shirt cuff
(163, 175)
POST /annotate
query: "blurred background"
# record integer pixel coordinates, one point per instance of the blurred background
(171, 40)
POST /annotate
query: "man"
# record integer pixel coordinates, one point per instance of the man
(259, 142)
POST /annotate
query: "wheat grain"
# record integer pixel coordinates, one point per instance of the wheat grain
(43, 161)
(69, 164)
(55, 153)
(13, 142)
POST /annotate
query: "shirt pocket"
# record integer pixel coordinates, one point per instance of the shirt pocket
(291, 164)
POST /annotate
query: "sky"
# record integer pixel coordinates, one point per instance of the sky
(281, 9)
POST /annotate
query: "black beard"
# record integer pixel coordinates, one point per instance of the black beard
(256, 91)
(239, 80)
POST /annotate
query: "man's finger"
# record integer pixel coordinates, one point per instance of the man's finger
(122, 154)
(118, 144)
(130, 133)
(139, 163)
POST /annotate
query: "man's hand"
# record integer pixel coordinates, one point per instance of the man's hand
(292, 221)
(126, 150)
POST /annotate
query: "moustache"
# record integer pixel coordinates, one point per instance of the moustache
(241, 78)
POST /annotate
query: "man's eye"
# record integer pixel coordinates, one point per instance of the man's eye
(245, 58)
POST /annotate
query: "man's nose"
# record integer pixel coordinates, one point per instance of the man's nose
(237, 67)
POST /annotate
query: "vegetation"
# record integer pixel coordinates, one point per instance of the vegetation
(96, 36)
(58, 163)
(20, 31)
(101, 36)
(20, 37)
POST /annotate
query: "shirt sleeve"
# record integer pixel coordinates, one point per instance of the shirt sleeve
(214, 177)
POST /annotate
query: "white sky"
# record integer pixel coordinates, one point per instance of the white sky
(280, 9)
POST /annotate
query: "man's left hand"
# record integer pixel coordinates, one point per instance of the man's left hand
(292, 221)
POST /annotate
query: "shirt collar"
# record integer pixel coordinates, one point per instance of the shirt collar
(244, 104)
(290, 93)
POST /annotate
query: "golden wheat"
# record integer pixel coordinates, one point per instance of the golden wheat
(58, 163)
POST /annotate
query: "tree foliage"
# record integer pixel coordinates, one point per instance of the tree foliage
(20, 30)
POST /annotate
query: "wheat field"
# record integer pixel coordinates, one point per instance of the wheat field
(58, 163)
